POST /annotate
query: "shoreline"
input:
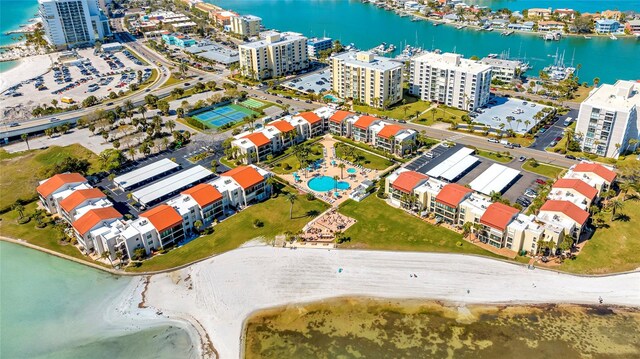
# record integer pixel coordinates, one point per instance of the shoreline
(270, 277)
(26, 68)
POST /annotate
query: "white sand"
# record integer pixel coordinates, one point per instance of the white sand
(28, 68)
(228, 288)
(124, 314)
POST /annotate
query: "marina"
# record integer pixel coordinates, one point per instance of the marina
(355, 16)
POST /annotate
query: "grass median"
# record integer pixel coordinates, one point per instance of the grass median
(542, 169)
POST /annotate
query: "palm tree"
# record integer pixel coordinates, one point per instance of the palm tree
(25, 138)
(38, 214)
(170, 125)
(128, 105)
(20, 209)
(183, 68)
(291, 198)
(197, 225)
(341, 166)
(107, 255)
(615, 205)
(271, 182)
(625, 186)
(570, 134)
(142, 110)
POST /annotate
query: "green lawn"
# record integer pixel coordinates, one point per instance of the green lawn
(235, 231)
(498, 157)
(543, 169)
(46, 237)
(366, 159)
(381, 226)
(397, 111)
(292, 161)
(446, 113)
(21, 171)
(172, 80)
(612, 249)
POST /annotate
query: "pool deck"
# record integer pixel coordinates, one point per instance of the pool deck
(327, 169)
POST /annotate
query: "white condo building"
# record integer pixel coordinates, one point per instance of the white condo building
(451, 80)
(276, 55)
(608, 119)
(72, 23)
(246, 25)
(370, 79)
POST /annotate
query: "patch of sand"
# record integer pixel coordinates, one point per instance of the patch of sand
(224, 290)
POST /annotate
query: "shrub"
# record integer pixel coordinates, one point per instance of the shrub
(286, 167)
(310, 197)
(24, 220)
(258, 223)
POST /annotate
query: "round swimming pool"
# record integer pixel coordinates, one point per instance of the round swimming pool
(352, 170)
(326, 183)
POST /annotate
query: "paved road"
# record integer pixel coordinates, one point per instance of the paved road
(481, 142)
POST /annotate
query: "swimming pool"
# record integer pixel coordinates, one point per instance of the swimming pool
(326, 183)
(352, 170)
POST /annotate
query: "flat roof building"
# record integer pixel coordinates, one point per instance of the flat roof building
(451, 80)
(608, 119)
(277, 55)
(246, 25)
(146, 174)
(494, 179)
(172, 185)
(372, 80)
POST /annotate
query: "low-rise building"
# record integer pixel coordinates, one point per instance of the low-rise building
(565, 214)
(547, 26)
(503, 70)
(65, 182)
(573, 190)
(318, 44)
(179, 40)
(394, 139)
(361, 128)
(607, 26)
(595, 175)
(222, 18)
(338, 123)
(565, 13)
(539, 13)
(633, 26)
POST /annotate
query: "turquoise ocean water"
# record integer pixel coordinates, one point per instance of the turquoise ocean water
(366, 26)
(53, 308)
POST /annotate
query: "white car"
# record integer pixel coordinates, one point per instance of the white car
(493, 140)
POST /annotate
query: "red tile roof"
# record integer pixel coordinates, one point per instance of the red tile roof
(599, 170)
(258, 139)
(452, 194)
(498, 216)
(246, 176)
(77, 197)
(282, 126)
(57, 181)
(163, 217)
(311, 117)
(579, 185)
(390, 130)
(339, 116)
(204, 194)
(568, 208)
(408, 180)
(365, 121)
(93, 217)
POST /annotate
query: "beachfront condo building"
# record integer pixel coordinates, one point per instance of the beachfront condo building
(608, 120)
(451, 80)
(246, 25)
(318, 44)
(372, 80)
(73, 23)
(276, 55)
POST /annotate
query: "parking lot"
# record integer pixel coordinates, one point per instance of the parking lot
(181, 156)
(512, 112)
(317, 82)
(77, 77)
(512, 192)
(546, 137)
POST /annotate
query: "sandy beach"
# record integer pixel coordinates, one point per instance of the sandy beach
(28, 68)
(222, 291)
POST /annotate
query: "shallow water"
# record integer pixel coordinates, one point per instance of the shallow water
(53, 308)
(364, 328)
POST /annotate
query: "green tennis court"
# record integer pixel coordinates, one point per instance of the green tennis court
(251, 103)
(220, 116)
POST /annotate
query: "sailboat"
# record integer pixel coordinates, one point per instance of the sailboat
(613, 37)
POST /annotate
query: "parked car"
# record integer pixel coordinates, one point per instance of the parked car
(402, 121)
(540, 181)
(493, 140)
(557, 139)
(522, 159)
(517, 145)
(509, 146)
(571, 157)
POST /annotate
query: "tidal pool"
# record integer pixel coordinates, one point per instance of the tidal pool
(368, 328)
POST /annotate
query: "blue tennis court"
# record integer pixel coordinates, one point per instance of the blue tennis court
(220, 116)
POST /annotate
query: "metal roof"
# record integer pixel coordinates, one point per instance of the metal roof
(142, 174)
(173, 184)
(494, 179)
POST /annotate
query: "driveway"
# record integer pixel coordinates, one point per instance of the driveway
(556, 130)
